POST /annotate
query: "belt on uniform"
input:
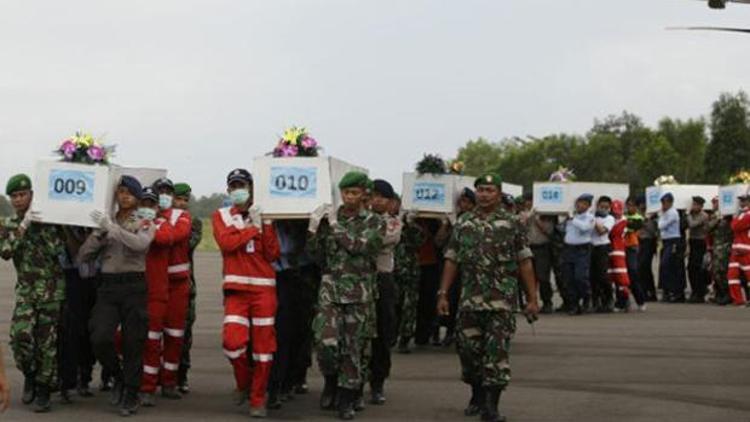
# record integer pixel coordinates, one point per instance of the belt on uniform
(583, 246)
(121, 278)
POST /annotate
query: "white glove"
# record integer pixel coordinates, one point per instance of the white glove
(333, 216)
(316, 217)
(254, 213)
(446, 219)
(452, 219)
(30, 217)
(101, 220)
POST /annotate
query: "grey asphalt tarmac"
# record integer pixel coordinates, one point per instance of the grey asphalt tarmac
(672, 363)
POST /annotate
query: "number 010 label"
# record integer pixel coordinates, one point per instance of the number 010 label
(294, 182)
(71, 185)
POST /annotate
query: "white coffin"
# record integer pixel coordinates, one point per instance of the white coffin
(429, 193)
(291, 188)
(67, 193)
(728, 202)
(683, 195)
(560, 198)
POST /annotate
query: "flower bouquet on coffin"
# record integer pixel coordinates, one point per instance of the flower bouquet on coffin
(296, 142)
(666, 179)
(83, 148)
(741, 178)
(562, 174)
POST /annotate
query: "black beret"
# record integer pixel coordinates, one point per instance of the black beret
(383, 188)
(132, 185)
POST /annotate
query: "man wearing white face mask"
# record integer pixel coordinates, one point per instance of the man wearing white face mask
(179, 286)
(157, 261)
(248, 246)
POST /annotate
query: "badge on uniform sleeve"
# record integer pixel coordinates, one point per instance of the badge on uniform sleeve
(250, 248)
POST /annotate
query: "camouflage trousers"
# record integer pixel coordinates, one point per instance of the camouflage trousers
(189, 322)
(33, 339)
(719, 268)
(342, 335)
(406, 309)
(484, 346)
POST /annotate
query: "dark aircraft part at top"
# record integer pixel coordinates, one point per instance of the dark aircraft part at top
(721, 4)
(709, 28)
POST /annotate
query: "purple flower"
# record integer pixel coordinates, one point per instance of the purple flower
(68, 148)
(309, 142)
(289, 151)
(96, 153)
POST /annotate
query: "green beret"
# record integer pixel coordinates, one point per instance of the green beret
(182, 189)
(489, 179)
(18, 183)
(354, 179)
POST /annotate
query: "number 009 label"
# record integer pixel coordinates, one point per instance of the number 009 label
(294, 182)
(71, 185)
(429, 193)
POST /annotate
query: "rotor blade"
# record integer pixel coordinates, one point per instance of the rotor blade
(708, 28)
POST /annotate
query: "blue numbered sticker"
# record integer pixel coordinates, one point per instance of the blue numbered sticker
(551, 195)
(727, 198)
(429, 193)
(71, 185)
(294, 182)
(654, 198)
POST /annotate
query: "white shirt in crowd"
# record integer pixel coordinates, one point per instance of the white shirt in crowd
(603, 239)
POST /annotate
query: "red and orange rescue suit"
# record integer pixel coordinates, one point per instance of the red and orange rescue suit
(739, 261)
(249, 298)
(167, 272)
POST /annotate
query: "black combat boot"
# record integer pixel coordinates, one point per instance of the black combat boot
(346, 403)
(130, 402)
(42, 403)
(274, 400)
(491, 412)
(476, 403)
(116, 394)
(182, 380)
(359, 400)
(29, 389)
(328, 398)
(377, 392)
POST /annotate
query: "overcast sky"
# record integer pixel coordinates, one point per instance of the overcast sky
(200, 87)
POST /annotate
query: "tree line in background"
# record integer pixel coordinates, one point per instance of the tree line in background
(621, 149)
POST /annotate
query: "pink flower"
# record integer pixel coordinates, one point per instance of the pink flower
(68, 148)
(96, 153)
(289, 151)
(309, 142)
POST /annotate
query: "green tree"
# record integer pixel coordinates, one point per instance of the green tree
(480, 156)
(206, 205)
(655, 157)
(689, 139)
(631, 133)
(527, 161)
(729, 148)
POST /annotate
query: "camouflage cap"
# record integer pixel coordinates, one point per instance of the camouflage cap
(354, 179)
(17, 183)
(489, 179)
(182, 189)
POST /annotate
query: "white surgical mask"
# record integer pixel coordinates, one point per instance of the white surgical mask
(239, 196)
(145, 213)
(165, 201)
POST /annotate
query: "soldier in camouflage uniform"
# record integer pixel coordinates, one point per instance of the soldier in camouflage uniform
(491, 247)
(407, 280)
(40, 292)
(346, 248)
(182, 192)
(720, 227)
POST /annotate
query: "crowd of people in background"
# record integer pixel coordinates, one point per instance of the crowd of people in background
(350, 284)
